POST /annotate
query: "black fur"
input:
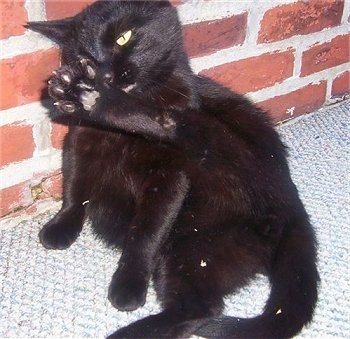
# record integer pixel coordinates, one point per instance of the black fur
(188, 178)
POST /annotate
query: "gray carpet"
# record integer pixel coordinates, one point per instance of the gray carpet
(63, 293)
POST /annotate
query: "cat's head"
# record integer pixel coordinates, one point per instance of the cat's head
(139, 42)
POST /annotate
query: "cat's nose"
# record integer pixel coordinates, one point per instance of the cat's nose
(108, 79)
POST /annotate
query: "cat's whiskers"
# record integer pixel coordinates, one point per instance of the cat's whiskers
(171, 89)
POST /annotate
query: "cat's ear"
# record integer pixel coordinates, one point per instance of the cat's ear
(56, 30)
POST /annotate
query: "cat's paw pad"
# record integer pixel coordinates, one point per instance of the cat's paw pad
(66, 106)
(88, 98)
(57, 237)
(127, 293)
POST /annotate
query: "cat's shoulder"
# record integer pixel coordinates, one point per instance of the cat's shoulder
(213, 93)
(217, 99)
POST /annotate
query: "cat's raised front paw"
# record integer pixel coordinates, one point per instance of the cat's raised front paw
(74, 89)
(127, 292)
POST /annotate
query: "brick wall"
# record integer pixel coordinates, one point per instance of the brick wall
(291, 57)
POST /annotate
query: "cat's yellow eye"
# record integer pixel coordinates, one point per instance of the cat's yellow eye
(124, 38)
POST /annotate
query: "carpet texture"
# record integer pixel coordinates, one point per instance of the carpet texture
(63, 293)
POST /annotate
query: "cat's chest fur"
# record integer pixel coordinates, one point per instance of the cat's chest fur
(115, 156)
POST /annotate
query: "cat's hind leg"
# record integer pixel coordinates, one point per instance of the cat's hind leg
(189, 296)
(194, 272)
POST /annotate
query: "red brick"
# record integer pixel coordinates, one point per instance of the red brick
(46, 186)
(23, 77)
(52, 186)
(341, 85)
(209, 36)
(326, 55)
(13, 17)
(300, 18)
(303, 100)
(177, 2)
(57, 135)
(26, 196)
(14, 197)
(16, 143)
(254, 73)
(56, 9)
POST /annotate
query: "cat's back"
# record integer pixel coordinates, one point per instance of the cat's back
(246, 120)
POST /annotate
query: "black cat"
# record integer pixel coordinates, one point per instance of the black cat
(188, 178)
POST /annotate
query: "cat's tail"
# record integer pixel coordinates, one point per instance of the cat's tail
(294, 279)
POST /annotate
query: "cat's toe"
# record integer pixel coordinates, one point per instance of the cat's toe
(56, 90)
(59, 85)
(89, 68)
(66, 77)
(127, 294)
(56, 236)
(66, 106)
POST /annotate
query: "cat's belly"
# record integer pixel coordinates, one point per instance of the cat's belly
(109, 203)
(114, 168)
(110, 214)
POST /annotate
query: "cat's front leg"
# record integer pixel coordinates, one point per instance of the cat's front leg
(62, 230)
(85, 92)
(65, 227)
